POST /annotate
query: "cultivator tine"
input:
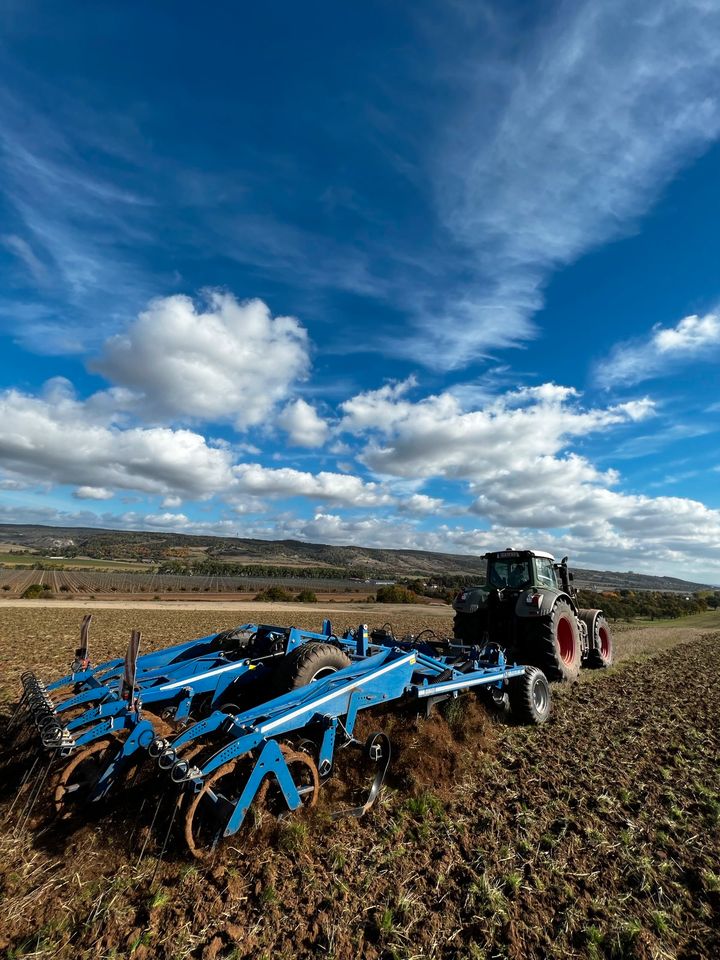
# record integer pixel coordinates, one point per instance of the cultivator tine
(84, 648)
(377, 748)
(130, 671)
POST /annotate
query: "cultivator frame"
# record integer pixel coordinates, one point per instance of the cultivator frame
(277, 750)
(121, 703)
(301, 730)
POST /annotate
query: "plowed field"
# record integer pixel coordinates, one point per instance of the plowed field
(597, 835)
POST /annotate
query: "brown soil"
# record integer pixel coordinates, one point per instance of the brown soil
(597, 835)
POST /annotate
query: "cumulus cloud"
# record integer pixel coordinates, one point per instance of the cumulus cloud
(421, 503)
(513, 456)
(436, 437)
(92, 493)
(55, 437)
(58, 438)
(344, 488)
(562, 151)
(665, 348)
(303, 425)
(225, 361)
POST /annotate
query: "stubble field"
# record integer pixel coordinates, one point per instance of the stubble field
(597, 835)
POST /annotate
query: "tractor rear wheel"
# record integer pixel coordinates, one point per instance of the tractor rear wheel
(601, 645)
(530, 696)
(311, 662)
(554, 644)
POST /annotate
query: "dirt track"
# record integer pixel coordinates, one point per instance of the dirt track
(597, 835)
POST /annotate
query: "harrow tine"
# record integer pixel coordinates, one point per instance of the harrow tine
(150, 830)
(167, 835)
(16, 712)
(136, 821)
(33, 798)
(25, 777)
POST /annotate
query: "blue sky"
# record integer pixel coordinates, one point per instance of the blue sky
(431, 275)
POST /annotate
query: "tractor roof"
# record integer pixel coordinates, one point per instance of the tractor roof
(510, 553)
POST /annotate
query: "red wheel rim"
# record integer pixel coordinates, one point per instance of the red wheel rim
(566, 640)
(604, 643)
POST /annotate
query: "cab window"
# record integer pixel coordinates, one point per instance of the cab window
(545, 572)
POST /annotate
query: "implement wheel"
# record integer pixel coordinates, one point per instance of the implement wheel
(601, 649)
(80, 776)
(530, 696)
(554, 644)
(311, 662)
(210, 809)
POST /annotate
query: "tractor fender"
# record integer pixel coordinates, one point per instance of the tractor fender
(471, 600)
(526, 610)
(589, 619)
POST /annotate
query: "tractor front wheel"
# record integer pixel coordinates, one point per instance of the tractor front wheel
(530, 696)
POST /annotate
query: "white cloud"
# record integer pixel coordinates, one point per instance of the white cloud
(693, 338)
(420, 503)
(561, 151)
(436, 437)
(261, 481)
(303, 425)
(174, 521)
(229, 362)
(377, 409)
(60, 439)
(171, 502)
(93, 493)
(25, 253)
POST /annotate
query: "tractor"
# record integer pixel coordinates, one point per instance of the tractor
(528, 606)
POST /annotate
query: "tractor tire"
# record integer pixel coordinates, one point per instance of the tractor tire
(311, 662)
(466, 627)
(530, 697)
(601, 646)
(554, 644)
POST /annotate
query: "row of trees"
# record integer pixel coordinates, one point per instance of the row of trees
(654, 605)
(228, 568)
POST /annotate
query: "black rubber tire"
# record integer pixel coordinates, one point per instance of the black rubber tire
(554, 644)
(466, 627)
(310, 662)
(530, 698)
(601, 646)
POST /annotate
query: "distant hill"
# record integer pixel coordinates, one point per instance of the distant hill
(147, 545)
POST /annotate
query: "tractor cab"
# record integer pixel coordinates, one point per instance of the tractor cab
(516, 570)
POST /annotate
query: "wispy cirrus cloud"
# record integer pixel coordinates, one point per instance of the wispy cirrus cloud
(693, 338)
(603, 108)
(73, 227)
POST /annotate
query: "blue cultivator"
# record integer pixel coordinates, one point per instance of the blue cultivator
(277, 754)
(97, 736)
(92, 684)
